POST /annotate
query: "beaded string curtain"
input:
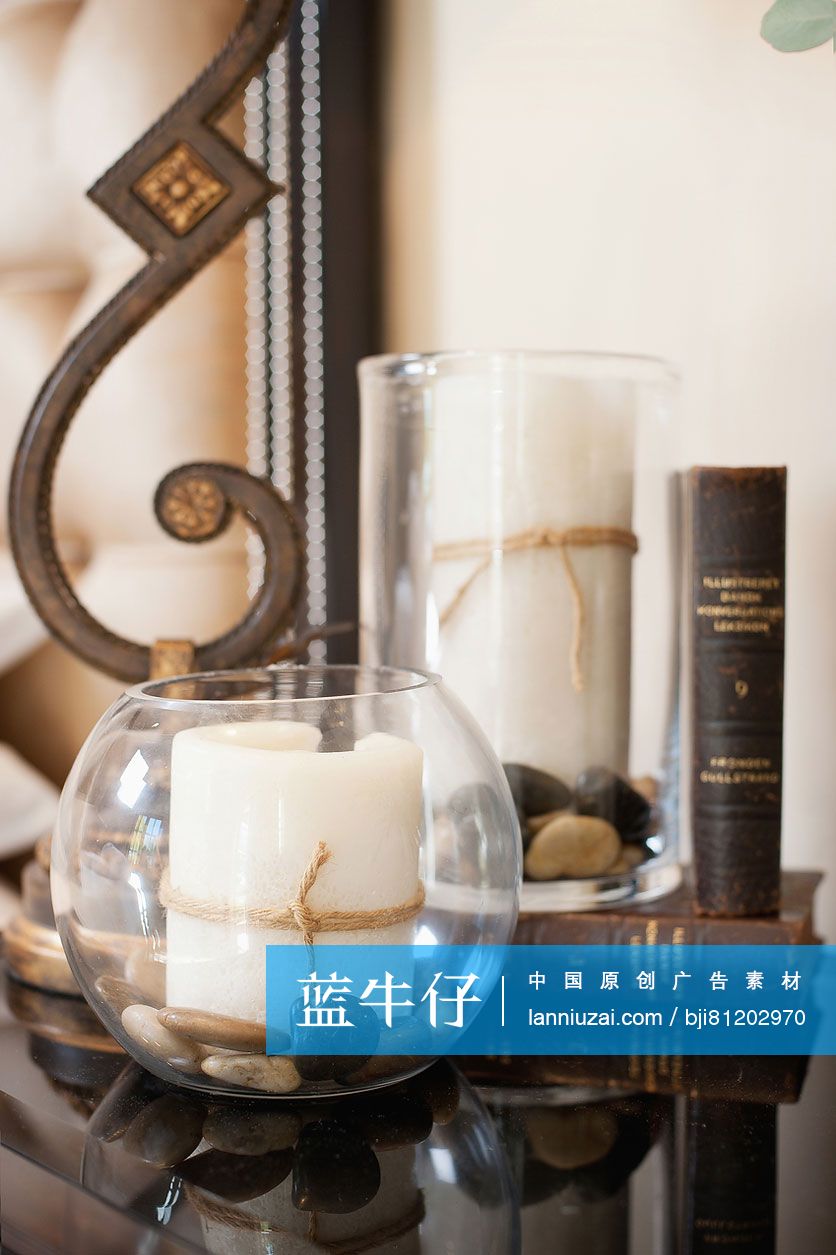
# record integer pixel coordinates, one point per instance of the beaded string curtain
(312, 291)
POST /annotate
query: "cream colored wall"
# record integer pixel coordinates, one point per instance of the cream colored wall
(80, 80)
(651, 178)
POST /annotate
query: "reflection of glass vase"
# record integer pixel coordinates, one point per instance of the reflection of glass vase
(731, 1156)
(388, 1223)
(31, 945)
(67, 1042)
(212, 816)
(519, 536)
(417, 1168)
(590, 1170)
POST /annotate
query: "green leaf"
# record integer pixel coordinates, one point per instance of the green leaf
(795, 25)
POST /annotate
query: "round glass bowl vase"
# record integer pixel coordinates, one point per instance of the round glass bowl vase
(415, 1168)
(211, 816)
(519, 535)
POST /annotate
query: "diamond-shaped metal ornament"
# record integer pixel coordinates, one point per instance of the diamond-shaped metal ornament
(181, 189)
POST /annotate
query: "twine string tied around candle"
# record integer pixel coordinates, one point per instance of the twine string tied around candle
(218, 1212)
(538, 538)
(298, 915)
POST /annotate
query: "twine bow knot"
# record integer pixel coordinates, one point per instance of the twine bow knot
(305, 917)
(298, 915)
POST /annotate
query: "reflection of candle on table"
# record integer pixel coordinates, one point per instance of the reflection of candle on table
(249, 804)
(388, 1225)
(513, 454)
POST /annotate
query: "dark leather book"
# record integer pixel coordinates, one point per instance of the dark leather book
(674, 920)
(730, 1178)
(748, 1078)
(738, 531)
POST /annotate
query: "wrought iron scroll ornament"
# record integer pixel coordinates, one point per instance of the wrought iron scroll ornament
(182, 192)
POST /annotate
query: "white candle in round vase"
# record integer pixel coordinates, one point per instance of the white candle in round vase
(249, 804)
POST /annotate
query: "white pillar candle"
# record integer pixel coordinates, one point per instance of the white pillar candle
(512, 453)
(249, 804)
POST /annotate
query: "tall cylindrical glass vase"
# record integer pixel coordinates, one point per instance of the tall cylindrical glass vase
(519, 534)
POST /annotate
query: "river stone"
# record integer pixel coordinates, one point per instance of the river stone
(471, 801)
(165, 1131)
(439, 1085)
(236, 1178)
(216, 1030)
(539, 1182)
(148, 975)
(251, 1131)
(571, 1137)
(106, 952)
(130, 1094)
(363, 1035)
(334, 1169)
(118, 994)
(141, 1023)
(537, 822)
(393, 1120)
(629, 858)
(536, 792)
(321, 1068)
(381, 1067)
(600, 792)
(274, 1074)
(648, 786)
(479, 814)
(572, 845)
(411, 1036)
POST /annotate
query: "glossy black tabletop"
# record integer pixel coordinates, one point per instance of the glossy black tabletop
(603, 1157)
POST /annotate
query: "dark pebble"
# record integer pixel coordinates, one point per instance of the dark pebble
(469, 1156)
(539, 1182)
(381, 1067)
(322, 1066)
(439, 1085)
(236, 1178)
(479, 814)
(334, 1169)
(165, 1131)
(328, 1067)
(243, 1130)
(394, 1120)
(602, 1180)
(536, 792)
(413, 1038)
(124, 1101)
(602, 793)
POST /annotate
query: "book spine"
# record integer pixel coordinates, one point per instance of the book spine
(738, 537)
(768, 1079)
(731, 1180)
(609, 929)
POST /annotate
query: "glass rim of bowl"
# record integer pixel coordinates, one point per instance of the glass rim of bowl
(173, 692)
(580, 363)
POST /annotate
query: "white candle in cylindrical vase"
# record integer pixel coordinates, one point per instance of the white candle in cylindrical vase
(511, 454)
(249, 804)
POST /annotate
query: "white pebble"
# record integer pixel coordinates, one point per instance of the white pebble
(273, 1074)
(141, 1023)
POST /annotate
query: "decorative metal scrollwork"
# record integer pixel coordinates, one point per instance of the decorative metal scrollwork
(182, 192)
